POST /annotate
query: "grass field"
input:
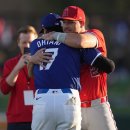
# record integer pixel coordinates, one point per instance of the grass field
(3, 106)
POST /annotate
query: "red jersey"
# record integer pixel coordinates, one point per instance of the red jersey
(93, 83)
(17, 111)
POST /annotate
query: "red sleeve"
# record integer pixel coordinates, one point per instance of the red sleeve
(4, 87)
(101, 41)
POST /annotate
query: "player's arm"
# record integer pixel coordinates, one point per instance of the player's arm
(104, 64)
(87, 40)
(76, 40)
(94, 58)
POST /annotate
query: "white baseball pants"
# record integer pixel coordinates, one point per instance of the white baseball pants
(56, 110)
(98, 117)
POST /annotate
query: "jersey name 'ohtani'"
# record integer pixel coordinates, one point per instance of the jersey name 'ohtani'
(41, 43)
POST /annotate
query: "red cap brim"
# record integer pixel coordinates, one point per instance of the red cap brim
(67, 18)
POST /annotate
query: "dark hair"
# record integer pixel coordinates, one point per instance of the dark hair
(50, 29)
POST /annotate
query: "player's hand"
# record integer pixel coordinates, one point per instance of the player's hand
(48, 36)
(41, 56)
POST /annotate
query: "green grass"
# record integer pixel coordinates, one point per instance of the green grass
(3, 102)
(119, 94)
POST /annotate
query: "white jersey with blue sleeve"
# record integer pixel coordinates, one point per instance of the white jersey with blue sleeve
(63, 71)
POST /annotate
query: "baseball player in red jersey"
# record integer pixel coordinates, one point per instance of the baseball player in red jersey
(96, 112)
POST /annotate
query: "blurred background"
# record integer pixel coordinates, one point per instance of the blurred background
(112, 17)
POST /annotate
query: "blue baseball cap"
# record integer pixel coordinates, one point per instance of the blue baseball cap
(50, 21)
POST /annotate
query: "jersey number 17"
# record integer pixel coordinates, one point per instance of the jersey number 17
(54, 51)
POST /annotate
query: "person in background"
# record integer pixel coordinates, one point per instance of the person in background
(16, 82)
(96, 111)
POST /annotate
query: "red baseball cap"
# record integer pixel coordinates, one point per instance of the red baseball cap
(73, 13)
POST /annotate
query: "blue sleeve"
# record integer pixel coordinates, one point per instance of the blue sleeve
(89, 55)
(33, 47)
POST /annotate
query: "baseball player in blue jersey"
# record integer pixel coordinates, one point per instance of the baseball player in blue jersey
(57, 102)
